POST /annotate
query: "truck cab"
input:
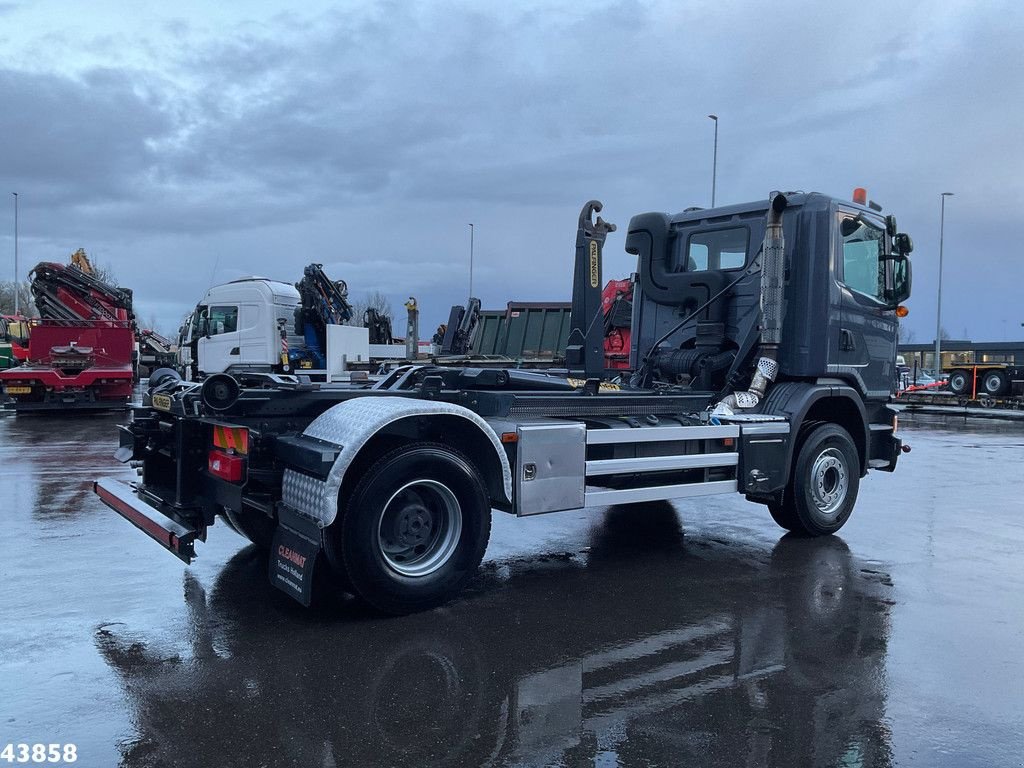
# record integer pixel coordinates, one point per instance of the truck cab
(14, 332)
(843, 283)
(238, 325)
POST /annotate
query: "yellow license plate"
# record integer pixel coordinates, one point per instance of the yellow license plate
(163, 402)
(19, 390)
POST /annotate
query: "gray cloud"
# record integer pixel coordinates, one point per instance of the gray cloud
(367, 138)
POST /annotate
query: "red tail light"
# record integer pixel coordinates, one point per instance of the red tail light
(225, 466)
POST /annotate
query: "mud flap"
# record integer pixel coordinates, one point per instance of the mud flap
(293, 557)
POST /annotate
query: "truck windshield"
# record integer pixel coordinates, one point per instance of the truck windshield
(862, 257)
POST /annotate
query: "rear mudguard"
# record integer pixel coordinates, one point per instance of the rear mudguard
(349, 426)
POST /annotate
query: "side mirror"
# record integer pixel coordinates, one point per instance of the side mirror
(903, 244)
(901, 280)
(890, 225)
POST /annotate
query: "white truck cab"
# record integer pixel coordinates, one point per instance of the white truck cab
(237, 327)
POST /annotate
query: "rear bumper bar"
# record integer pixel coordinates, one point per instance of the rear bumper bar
(170, 534)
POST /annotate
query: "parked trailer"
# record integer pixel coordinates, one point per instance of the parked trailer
(991, 380)
(938, 401)
(772, 383)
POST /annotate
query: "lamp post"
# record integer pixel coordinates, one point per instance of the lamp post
(16, 300)
(938, 306)
(714, 161)
(471, 230)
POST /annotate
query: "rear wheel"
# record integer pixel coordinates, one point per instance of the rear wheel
(255, 526)
(414, 530)
(823, 487)
(995, 383)
(959, 382)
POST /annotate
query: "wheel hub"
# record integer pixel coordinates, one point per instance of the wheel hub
(419, 528)
(829, 481)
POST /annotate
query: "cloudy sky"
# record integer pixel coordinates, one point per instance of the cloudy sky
(195, 142)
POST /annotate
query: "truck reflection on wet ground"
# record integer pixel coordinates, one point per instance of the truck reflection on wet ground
(679, 654)
(662, 635)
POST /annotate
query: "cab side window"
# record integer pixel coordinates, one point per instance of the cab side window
(863, 258)
(223, 320)
(718, 249)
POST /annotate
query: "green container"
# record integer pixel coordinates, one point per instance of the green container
(6, 356)
(525, 330)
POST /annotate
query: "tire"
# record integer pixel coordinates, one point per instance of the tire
(995, 383)
(959, 382)
(784, 514)
(413, 531)
(161, 376)
(823, 488)
(255, 526)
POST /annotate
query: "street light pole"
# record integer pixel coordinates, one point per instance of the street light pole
(471, 231)
(714, 161)
(16, 291)
(938, 306)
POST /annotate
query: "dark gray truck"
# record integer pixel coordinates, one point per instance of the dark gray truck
(763, 355)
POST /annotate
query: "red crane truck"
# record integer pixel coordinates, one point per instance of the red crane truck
(82, 348)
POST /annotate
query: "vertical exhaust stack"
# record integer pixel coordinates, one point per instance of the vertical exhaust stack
(584, 352)
(773, 310)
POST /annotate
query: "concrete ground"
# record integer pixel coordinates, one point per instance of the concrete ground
(687, 635)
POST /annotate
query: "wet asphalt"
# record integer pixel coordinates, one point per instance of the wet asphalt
(693, 634)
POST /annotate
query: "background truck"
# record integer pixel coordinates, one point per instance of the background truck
(82, 350)
(763, 352)
(155, 351)
(13, 340)
(256, 325)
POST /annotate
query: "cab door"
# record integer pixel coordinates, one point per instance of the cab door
(866, 339)
(219, 345)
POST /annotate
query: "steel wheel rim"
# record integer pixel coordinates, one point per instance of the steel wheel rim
(958, 382)
(419, 528)
(830, 481)
(993, 384)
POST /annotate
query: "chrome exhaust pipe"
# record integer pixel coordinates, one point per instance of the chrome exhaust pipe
(773, 310)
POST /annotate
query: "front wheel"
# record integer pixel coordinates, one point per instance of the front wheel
(823, 487)
(413, 531)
